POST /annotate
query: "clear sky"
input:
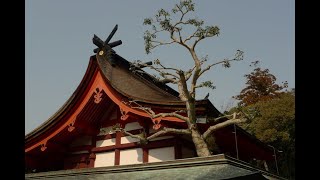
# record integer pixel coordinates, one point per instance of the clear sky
(58, 37)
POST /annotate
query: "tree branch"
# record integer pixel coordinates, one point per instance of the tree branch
(143, 139)
(196, 73)
(154, 115)
(160, 70)
(163, 67)
(176, 40)
(173, 114)
(137, 136)
(196, 41)
(188, 74)
(190, 37)
(213, 128)
(166, 130)
(167, 80)
(182, 13)
(158, 43)
(214, 64)
(183, 84)
(180, 37)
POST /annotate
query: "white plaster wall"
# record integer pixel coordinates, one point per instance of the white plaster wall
(81, 141)
(132, 126)
(161, 137)
(131, 156)
(128, 139)
(105, 131)
(106, 142)
(186, 153)
(161, 154)
(104, 159)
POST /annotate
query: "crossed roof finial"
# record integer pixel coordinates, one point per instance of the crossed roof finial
(105, 44)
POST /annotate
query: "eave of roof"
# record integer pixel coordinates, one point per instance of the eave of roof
(68, 105)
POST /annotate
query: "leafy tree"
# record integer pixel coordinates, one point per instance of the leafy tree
(275, 118)
(273, 115)
(274, 124)
(186, 33)
(261, 86)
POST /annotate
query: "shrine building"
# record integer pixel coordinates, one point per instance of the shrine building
(81, 135)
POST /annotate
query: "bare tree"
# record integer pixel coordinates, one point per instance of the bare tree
(186, 81)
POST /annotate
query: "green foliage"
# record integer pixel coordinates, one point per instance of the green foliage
(274, 123)
(162, 22)
(147, 39)
(147, 21)
(208, 84)
(239, 55)
(226, 64)
(208, 31)
(187, 5)
(195, 22)
(276, 119)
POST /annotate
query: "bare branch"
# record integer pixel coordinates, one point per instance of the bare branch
(163, 71)
(180, 37)
(173, 114)
(233, 120)
(137, 136)
(218, 118)
(144, 140)
(158, 43)
(179, 41)
(189, 73)
(157, 62)
(190, 37)
(196, 73)
(156, 31)
(182, 13)
(167, 80)
(154, 115)
(166, 130)
(196, 42)
(214, 64)
(183, 85)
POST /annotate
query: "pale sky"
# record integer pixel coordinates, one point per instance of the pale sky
(59, 43)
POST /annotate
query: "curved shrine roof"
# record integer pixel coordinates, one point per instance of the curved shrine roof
(140, 87)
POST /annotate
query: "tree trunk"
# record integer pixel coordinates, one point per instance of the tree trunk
(201, 146)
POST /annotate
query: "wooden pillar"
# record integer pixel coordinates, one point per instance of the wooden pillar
(117, 151)
(92, 158)
(145, 155)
